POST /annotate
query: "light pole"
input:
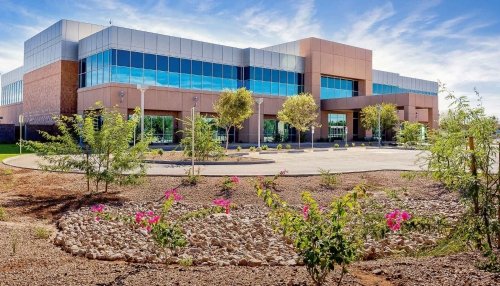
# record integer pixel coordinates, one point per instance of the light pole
(312, 138)
(259, 102)
(379, 110)
(21, 120)
(143, 89)
(345, 135)
(193, 126)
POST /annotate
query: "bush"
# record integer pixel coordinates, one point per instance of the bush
(238, 148)
(205, 143)
(160, 152)
(346, 145)
(3, 214)
(336, 145)
(279, 147)
(363, 145)
(186, 261)
(321, 237)
(265, 147)
(252, 149)
(288, 146)
(258, 149)
(42, 233)
(353, 144)
(328, 180)
(191, 179)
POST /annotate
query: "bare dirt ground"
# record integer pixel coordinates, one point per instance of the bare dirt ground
(34, 198)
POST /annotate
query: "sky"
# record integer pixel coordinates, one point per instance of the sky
(456, 42)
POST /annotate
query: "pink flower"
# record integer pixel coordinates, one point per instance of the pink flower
(223, 203)
(235, 179)
(395, 218)
(138, 217)
(97, 218)
(99, 208)
(305, 211)
(173, 194)
(405, 216)
(155, 219)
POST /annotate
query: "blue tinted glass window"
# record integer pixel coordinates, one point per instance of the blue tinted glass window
(226, 83)
(149, 77)
(93, 60)
(266, 87)
(99, 61)
(123, 58)
(174, 79)
(207, 69)
(291, 77)
(235, 72)
(137, 60)
(162, 78)
(84, 65)
(150, 61)
(275, 88)
(197, 69)
(257, 86)
(355, 85)
(185, 80)
(207, 83)
(324, 81)
(99, 76)
(275, 75)
(266, 76)
(217, 70)
(162, 63)
(113, 57)
(258, 73)
(185, 66)
(105, 58)
(246, 73)
(331, 82)
(196, 82)
(349, 84)
(136, 75)
(283, 77)
(300, 79)
(217, 83)
(123, 74)
(337, 83)
(283, 89)
(174, 65)
(226, 71)
(105, 78)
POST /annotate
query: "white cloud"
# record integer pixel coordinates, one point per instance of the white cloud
(451, 51)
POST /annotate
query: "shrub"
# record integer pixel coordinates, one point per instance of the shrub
(328, 180)
(353, 144)
(205, 143)
(269, 182)
(186, 261)
(346, 145)
(279, 147)
(160, 152)
(191, 179)
(336, 145)
(238, 148)
(252, 149)
(3, 214)
(258, 149)
(228, 185)
(288, 146)
(42, 233)
(321, 237)
(363, 145)
(265, 147)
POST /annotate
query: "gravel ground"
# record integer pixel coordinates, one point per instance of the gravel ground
(33, 199)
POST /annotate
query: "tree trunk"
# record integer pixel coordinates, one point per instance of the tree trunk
(475, 187)
(227, 137)
(298, 132)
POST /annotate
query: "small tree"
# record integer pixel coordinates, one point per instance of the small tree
(233, 108)
(104, 153)
(463, 156)
(388, 117)
(300, 111)
(410, 133)
(205, 143)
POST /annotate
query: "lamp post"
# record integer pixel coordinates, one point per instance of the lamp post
(259, 102)
(345, 135)
(143, 89)
(21, 120)
(379, 111)
(193, 126)
(312, 138)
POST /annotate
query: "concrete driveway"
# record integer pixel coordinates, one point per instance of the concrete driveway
(357, 159)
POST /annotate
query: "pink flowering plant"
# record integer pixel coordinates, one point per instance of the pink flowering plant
(396, 218)
(224, 204)
(229, 185)
(323, 237)
(100, 212)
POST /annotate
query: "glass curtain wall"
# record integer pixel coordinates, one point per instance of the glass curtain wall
(334, 87)
(277, 131)
(380, 89)
(12, 93)
(160, 126)
(155, 70)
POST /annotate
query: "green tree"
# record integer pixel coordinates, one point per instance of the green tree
(205, 143)
(388, 117)
(463, 155)
(300, 111)
(410, 133)
(233, 107)
(104, 153)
